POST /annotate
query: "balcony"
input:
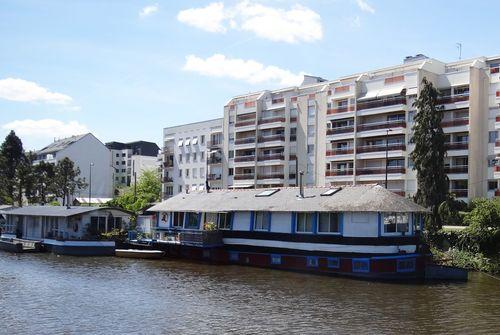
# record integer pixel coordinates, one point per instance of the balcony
(456, 169)
(381, 103)
(340, 151)
(293, 119)
(494, 70)
(342, 109)
(340, 130)
(497, 143)
(244, 123)
(382, 125)
(214, 144)
(339, 172)
(460, 193)
(381, 147)
(244, 176)
(278, 101)
(497, 168)
(273, 175)
(271, 157)
(249, 158)
(215, 160)
(380, 170)
(214, 176)
(202, 238)
(168, 179)
(271, 138)
(456, 145)
(455, 122)
(272, 119)
(168, 164)
(451, 99)
(246, 140)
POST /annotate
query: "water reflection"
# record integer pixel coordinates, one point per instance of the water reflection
(48, 294)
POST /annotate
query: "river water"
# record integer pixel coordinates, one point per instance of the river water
(49, 294)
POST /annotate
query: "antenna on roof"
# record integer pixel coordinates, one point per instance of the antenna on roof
(301, 184)
(459, 47)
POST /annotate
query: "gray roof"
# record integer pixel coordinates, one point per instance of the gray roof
(362, 198)
(59, 211)
(60, 144)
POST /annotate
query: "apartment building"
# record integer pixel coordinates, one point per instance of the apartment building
(192, 156)
(90, 155)
(357, 129)
(131, 159)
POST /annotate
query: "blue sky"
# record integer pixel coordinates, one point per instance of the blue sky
(125, 69)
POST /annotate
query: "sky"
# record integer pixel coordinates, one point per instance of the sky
(124, 70)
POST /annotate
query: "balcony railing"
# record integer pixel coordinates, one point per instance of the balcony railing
(271, 138)
(382, 125)
(277, 175)
(497, 168)
(293, 157)
(380, 170)
(246, 140)
(279, 156)
(214, 176)
(497, 143)
(340, 151)
(381, 147)
(168, 179)
(215, 160)
(450, 99)
(272, 119)
(244, 176)
(339, 172)
(460, 193)
(278, 101)
(249, 158)
(497, 119)
(342, 109)
(244, 123)
(456, 145)
(293, 119)
(495, 70)
(200, 238)
(340, 130)
(214, 144)
(381, 103)
(455, 122)
(168, 164)
(456, 169)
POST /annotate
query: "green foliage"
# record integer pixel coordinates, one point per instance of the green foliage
(67, 179)
(451, 211)
(54, 203)
(467, 260)
(148, 191)
(115, 235)
(11, 153)
(428, 155)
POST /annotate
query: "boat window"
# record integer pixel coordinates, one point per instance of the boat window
(224, 220)
(395, 222)
(305, 222)
(192, 221)
(360, 265)
(275, 259)
(178, 219)
(329, 223)
(312, 261)
(406, 265)
(333, 262)
(267, 193)
(261, 221)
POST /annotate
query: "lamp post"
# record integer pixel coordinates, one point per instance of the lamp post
(386, 154)
(90, 183)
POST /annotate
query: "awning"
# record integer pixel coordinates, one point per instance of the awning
(180, 143)
(195, 140)
(386, 91)
(241, 186)
(85, 200)
(188, 142)
(369, 95)
(412, 91)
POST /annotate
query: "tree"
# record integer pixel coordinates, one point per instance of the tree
(44, 181)
(148, 191)
(25, 178)
(67, 179)
(451, 211)
(12, 154)
(428, 155)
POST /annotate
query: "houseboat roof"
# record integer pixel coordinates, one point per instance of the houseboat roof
(59, 211)
(362, 198)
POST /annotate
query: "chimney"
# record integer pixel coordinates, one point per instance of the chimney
(301, 184)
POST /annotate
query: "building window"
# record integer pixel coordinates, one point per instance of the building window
(329, 223)
(405, 265)
(180, 158)
(492, 185)
(231, 154)
(192, 221)
(180, 173)
(333, 262)
(311, 130)
(195, 173)
(117, 163)
(117, 155)
(187, 173)
(305, 222)
(202, 155)
(187, 158)
(123, 162)
(492, 135)
(230, 171)
(180, 188)
(275, 259)
(124, 170)
(202, 139)
(123, 180)
(124, 154)
(360, 265)
(202, 173)
(312, 261)
(311, 111)
(395, 222)
(310, 148)
(225, 221)
(194, 156)
(261, 221)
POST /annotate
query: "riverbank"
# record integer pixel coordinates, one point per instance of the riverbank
(467, 260)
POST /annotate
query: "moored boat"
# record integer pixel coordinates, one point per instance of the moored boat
(136, 253)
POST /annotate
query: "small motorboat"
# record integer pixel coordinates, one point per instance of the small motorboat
(136, 253)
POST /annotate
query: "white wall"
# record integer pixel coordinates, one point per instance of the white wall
(360, 224)
(281, 223)
(241, 221)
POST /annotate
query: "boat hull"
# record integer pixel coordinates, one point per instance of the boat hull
(136, 253)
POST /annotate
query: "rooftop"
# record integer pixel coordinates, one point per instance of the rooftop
(61, 144)
(59, 211)
(362, 198)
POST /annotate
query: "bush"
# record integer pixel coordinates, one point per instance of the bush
(115, 235)
(451, 211)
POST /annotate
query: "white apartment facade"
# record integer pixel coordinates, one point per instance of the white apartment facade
(192, 156)
(90, 155)
(357, 129)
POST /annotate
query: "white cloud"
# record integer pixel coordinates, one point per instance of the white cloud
(246, 70)
(209, 18)
(149, 10)
(297, 24)
(45, 129)
(15, 89)
(364, 6)
(356, 22)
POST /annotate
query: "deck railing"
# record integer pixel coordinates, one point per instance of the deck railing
(463, 145)
(245, 140)
(272, 119)
(381, 103)
(244, 176)
(381, 147)
(248, 158)
(271, 138)
(455, 122)
(278, 156)
(339, 172)
(450, 99)
(340, 130)
(277, 175)
(382, 125)
(202, 238)
(456, 169)
(380, 170)
(342, 109)
(340, 151)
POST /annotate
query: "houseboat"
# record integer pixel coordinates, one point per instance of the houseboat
(66, 230)
(363, 231)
